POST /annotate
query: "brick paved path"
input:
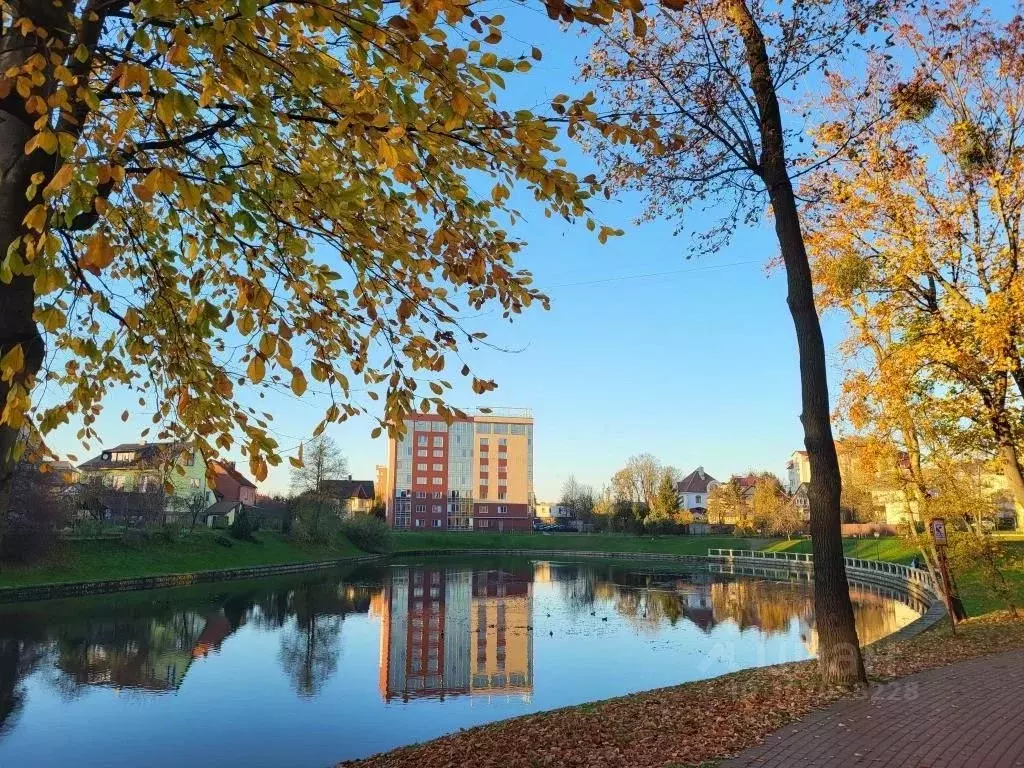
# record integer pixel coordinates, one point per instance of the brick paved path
(968, 715)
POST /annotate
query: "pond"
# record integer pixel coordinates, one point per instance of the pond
(310, 669)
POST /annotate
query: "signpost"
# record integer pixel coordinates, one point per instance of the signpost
(937, 526)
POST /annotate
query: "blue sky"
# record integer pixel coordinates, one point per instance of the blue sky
(695, 363)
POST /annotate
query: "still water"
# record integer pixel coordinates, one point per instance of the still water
(308, 670)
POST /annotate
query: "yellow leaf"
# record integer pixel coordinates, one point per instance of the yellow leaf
(98, 253)
(298, 382)
(387, 153)
(12, 363)
(36, 218)
(60, 180)
(257, 370)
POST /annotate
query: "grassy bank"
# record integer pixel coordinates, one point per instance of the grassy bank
(583, 542)
(102, 560)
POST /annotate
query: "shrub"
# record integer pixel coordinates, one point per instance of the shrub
(223, 541)
(369, 533)
(243, 527)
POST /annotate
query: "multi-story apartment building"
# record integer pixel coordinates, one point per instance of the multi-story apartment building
(473, 474)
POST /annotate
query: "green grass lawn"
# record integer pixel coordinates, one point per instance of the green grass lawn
(890, 548)
(594, 542)
(100, 560)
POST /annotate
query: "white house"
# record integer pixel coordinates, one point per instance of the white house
(693, 492)
(549, 512)
(798, 470)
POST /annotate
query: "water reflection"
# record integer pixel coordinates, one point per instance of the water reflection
(363, 652)
(454, 631)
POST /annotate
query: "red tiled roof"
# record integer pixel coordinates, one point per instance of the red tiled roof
(695, 482)
(229, 470)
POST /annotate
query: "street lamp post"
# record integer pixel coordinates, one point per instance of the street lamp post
(878, 546)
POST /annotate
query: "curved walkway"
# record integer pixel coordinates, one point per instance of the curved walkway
(968, 715)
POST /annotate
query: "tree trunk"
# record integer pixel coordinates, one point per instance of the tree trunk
(1014, 478)
(17, 296)
(839, 655)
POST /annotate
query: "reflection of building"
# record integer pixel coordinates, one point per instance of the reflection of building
(148, 656)
(451, 631)
(475, 473)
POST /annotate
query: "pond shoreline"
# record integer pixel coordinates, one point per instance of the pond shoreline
(34, 592)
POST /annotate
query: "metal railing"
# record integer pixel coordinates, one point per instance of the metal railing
(803, 559)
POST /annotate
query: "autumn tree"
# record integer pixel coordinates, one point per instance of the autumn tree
(767, 501)
(578, 497)
(665, 504)
(916, 235)
(197, 197)
(638, 480)
(726, 503)
(322, 460)
(693, 93)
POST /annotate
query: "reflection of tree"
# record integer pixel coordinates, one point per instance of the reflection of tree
(17, 660)
(310, 648)
(769, 606)
(309, 653)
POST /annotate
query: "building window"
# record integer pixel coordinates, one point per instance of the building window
(483, 443)
(421, 481)
(481, 509)
(483, 491)
(437, 494)
(422, 453)
(501, 429)
(501, 495)
(483, 429)
(502, 441)
(438, 441)
(421, 467)
(437, 481)
(421, 440)
(483, 524)
(438, 426)
(421, 494)
(435, 524)
(193, 482)
(502, 509)
(422, 426)
(698, 498)
(517, 429)
(437, 454)
(421, 508)
(438, 467)
(419, 523)
(436, 508)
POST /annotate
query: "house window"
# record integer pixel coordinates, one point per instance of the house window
(422, 453)
(421, 481)
(437, 508)
(438, 441)
(421, 440)
(698, 498)
(422, 426)
(483, 429)
(421, 467)
(435, 523)
(437, 494)
(439, 426)
(501, 495)
(502, 509)
(421, 494)
(483, 524)
(193, 482)
(421, 508)
(437, 454)
(517, 429)
(419, 523)
(502, 441)
(481, 509)
(501, 429)
(437, 481)
(438, 467)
